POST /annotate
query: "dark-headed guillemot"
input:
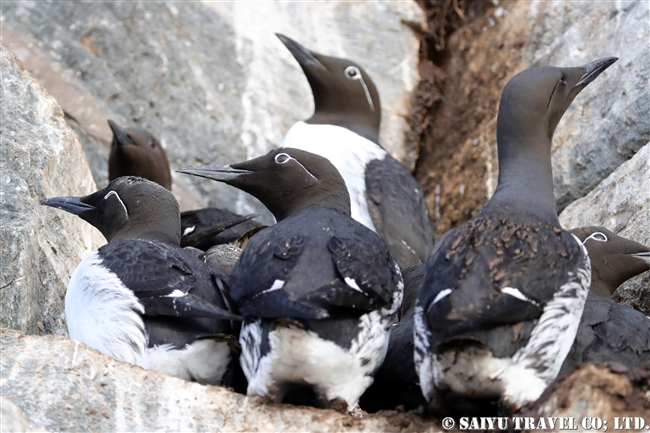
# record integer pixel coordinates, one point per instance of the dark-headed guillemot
(345, 129)
(322, 289)
(136, 152)
(611, 332)
(503, 293)
(142, 298)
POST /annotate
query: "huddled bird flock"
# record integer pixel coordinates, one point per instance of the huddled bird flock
(347, 302)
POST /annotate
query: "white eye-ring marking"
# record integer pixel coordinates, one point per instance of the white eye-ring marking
(598, 236)
(110, 193)
(282, 158)
(353, 73)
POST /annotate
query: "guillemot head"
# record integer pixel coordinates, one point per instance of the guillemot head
(344, 94)
(128, 208)
(534, 100)
(285, 180)
(531, 106)
(136, 152)
(614, 259)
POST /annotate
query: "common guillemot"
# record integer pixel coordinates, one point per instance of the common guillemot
(142, 298)
(503, 293)
(136, 152)
(345, 129)
(321, 288)
(610, 332)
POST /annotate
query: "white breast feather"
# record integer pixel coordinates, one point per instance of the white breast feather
(204, 361)
(347, 151)
(103, 314)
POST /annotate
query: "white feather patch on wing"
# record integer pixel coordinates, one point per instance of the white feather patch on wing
(188, 230)
(517, 294)
(350, 282)
(441, 294)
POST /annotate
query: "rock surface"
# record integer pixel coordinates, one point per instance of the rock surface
(40, 157)
(621, 203)
(596, 390)
(210, 80)
(62, 385)
(606, 124)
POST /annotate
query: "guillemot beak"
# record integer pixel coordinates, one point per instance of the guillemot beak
(643, 256)
(304, 57)
(594, 69)
(121, 137)
(69, 204)
(220, 173)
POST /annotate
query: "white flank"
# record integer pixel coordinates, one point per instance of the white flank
(441, 294)
(204, 361)
(347, 151)
(103, 314)
(517, 294)
(188, 230)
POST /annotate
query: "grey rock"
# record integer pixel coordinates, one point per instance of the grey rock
(210, 80)
(621, 203)
(223, 257)
(12, 419)
(63, 385)
(609, 121)
(40, 157)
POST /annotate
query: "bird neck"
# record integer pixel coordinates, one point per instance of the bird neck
(526, 177)
(337, 200)
(365, 127)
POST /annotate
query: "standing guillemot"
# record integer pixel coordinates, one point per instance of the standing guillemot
(345, 129)
(136, 152)
(142, 298)
(503, 293)
(321, 288)
(610, 332)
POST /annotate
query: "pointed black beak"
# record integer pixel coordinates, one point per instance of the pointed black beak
(121, 137)
(302, 54)
(594, 69)
(220, 173)
(74, 205)
(643, 256)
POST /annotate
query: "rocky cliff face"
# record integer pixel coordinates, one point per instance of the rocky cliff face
(605, 126)
(216, 86)
(40, 157)
(210, 80)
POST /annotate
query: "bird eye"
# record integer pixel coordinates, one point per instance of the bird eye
(598, 236)
(281, 158)
(352, 73)
(563, 79)
(152, 143)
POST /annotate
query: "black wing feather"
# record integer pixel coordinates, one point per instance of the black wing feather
(398, 211)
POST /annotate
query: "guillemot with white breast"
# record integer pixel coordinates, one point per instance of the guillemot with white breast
(345, 129)
(610, 332)
(503, 293)
(142, 298)
(321, 288)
